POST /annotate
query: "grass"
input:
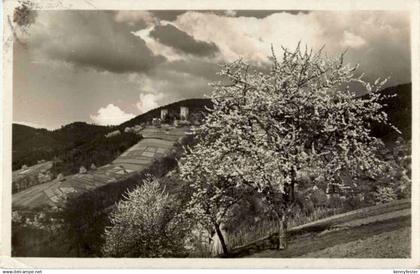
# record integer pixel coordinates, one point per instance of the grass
(390, 244)
(380, 238)
(269, 226)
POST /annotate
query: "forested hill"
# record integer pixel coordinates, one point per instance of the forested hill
(30, 145)
(398, 109)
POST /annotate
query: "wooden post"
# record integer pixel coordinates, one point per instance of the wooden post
(288, 199)
(283, 232)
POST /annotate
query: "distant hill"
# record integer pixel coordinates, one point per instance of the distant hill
(398, 109)
(78, 133)
(30, 145)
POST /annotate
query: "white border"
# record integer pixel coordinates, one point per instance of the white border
(6, 260)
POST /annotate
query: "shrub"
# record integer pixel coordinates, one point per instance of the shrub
(144, 225)
(385, 195)
(87, 215)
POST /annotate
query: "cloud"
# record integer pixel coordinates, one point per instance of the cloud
(156, 47)
(352, 41)
(166, 85)
(199, 67)
(171, 36)
(134, 18)
(138, 60)
(167, 15)
(264, 13)
(248, 37)
(386, 51)
(150, 17)
(148, 101)
(374, 38)
(230, 13)
(111, 115)
(90, 39)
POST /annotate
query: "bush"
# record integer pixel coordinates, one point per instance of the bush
(385, 195)
(144, 225)
(318, 198)
(86, 215)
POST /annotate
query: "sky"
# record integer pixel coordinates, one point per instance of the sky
(106, 67)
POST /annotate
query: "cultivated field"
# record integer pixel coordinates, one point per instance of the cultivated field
(155, 144)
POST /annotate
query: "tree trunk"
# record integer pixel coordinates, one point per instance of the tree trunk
(288, 199)
(283, 232)
(222, 239)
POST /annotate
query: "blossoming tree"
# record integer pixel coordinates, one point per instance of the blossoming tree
(268, 130)
(145, 224)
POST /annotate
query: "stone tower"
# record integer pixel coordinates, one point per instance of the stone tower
(163, 114)
(184, 113)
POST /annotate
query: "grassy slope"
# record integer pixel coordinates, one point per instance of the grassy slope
(392, 244)
(362, 239)
(354, 234)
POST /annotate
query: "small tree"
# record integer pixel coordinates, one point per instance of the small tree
(144, 225)
(267, 129)
(213, 192)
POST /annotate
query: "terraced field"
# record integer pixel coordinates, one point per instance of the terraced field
(35, 169)
(156, 143)
(24, 178)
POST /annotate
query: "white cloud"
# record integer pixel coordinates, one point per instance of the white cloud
(148, 101)
(111, 115)
(169, 84)
(230, 13)
(250, 37)
(375, 38)
(156, 47)
(132, 17)
(352, 41)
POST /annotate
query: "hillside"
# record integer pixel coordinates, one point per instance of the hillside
(373, 232)
(31, 145)
(87, 198)
(398, 109)
(76, 133)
